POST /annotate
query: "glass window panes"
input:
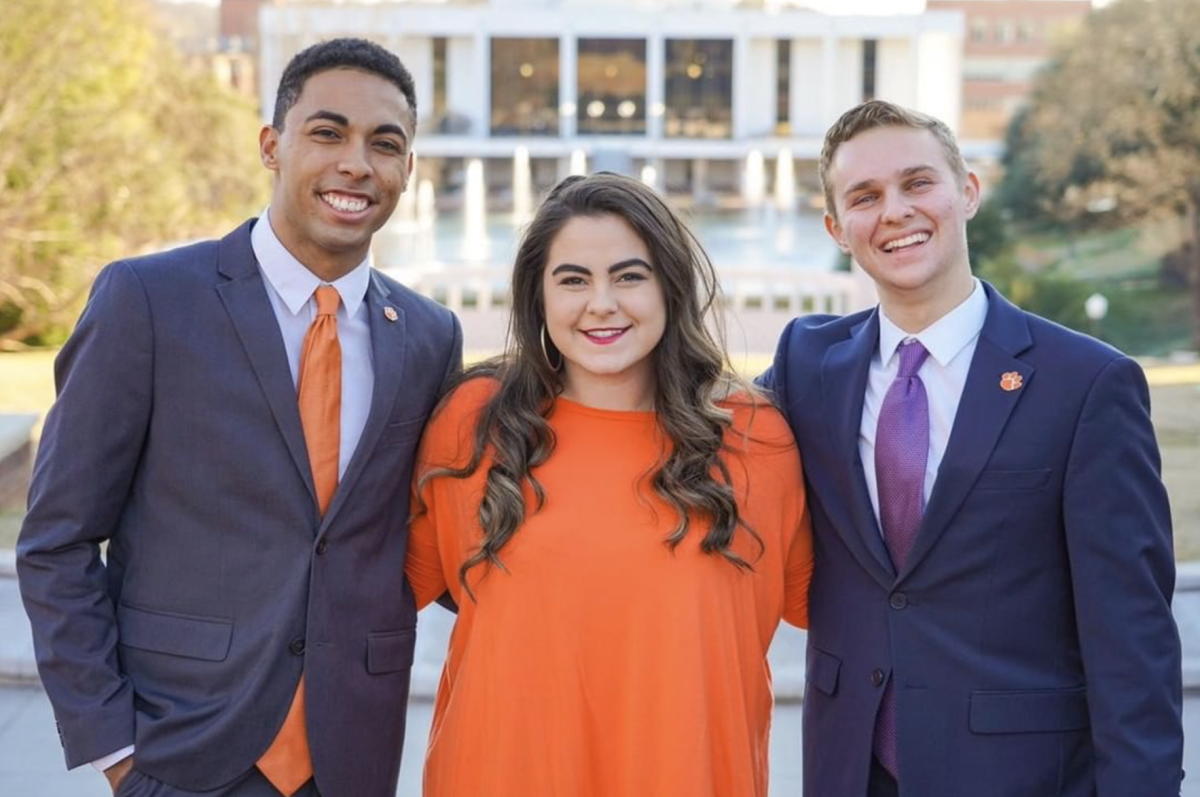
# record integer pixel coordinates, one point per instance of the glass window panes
(524, 87)
(699, 88)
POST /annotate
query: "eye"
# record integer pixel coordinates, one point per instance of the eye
(861, 199)
(921, 182)
(390, 146)
(326, 133)
(633, 276)
(572, 280)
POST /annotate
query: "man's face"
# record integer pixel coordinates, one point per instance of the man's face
(340, 163)
(902, 212)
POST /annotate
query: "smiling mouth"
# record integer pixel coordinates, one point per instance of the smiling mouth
(604, 336)
(916, 239)
(343, 203)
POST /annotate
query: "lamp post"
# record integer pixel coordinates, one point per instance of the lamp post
(1096, 307)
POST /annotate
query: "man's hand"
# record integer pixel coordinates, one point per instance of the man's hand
(118, 772)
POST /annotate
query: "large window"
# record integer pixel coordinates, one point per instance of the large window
(699, 88)
(783, 86)
(870, 50)
(524, 87)
(612, 86)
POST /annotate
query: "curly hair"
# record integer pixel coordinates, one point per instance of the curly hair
(344, 53)
(693, 374)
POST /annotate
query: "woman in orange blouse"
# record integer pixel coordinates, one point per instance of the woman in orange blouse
(621, 531)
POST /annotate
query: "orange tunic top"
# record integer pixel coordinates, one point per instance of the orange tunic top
(600, 663)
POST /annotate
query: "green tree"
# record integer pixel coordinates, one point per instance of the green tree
(1112, 133)
(113, 145)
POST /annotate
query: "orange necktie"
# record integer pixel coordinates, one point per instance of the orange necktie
(287, 762)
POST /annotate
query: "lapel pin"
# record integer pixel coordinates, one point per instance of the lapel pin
(390, 313)
(1011, 381)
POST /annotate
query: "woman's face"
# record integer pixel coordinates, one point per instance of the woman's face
(605, 312)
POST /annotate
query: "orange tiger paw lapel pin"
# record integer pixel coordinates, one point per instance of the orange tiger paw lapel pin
(1011, 381)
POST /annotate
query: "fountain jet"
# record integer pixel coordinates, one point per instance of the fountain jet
(754, 180)
(522, 186)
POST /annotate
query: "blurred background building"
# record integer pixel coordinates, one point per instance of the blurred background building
(688, 90)
(1006, 43)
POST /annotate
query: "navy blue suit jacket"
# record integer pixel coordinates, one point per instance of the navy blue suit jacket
(176, 438)
(1030, 635)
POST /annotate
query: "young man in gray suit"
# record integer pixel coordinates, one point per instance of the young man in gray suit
(251, 632)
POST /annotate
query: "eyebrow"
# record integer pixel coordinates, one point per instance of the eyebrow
(340, 119)
(613, 269)
(909, 172)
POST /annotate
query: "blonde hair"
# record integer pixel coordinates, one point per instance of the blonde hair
(878, 113)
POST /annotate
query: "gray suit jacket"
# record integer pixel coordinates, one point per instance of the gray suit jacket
(176, 437)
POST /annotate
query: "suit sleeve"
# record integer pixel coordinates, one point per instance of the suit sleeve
(454, 362)
(1118, 530)
(88, 456)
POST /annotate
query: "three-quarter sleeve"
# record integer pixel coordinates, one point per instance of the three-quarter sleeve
(798, 568)
(423, 566)
(444, 529)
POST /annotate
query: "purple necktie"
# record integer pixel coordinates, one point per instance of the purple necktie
(901, 453)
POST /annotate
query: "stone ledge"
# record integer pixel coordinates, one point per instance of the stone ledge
(1187, 616)
(16, 454)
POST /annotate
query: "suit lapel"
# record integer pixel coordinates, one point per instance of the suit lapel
(388, 352)
(246, 301)
(983, 411)
(844, 375)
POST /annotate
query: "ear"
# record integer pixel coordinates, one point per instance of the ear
(268, 146)
(972, 195)
(835, 232)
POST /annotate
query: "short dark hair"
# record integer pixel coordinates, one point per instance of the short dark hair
(344, 53)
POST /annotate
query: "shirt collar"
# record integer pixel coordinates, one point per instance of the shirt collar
(944, 338)
(293, 281)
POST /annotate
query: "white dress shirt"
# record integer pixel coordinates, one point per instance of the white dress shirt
(951, 344)
(290, 288)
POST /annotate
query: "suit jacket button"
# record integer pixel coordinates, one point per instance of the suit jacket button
(297, 647)
(877, 677)
(898, 600)
(322, 547)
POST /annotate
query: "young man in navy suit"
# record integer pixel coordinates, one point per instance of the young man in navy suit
(990, 607)
(250, 633)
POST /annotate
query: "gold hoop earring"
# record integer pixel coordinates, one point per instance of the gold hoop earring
(546, 354)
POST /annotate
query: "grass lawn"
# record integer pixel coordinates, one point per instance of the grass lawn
(1105, 254)
(27, 385)
(10, 524)
(27, 382)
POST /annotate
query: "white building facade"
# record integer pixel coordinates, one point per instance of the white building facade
(689, 89)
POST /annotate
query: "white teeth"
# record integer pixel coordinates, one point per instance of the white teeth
(605, 333)
(344, 204)
(915, 238)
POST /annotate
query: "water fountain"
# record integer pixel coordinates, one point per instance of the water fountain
(650, 176)
(475, 240)
(578, 162)
(522, 186)
(754, 180)
(785, 181)
(405, 215)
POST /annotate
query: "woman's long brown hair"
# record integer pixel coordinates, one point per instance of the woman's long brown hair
(692, 369)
